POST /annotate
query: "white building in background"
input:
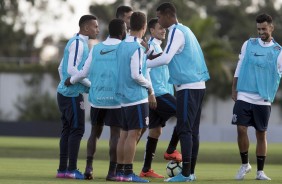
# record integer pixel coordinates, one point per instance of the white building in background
(215, 122)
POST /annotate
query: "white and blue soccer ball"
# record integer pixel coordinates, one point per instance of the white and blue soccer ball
(173, 168)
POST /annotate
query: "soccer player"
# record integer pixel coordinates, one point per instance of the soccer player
(101, 67)
(124, 13)
(166, 105)
(70, 99)
(133, 91)
(255, 84)
(188, 72)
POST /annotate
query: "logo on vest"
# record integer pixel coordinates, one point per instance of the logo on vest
(258, 54)
(106, 52)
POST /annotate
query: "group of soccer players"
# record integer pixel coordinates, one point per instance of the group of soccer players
(130, 84)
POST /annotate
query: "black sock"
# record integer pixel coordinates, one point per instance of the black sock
(128, 169)
(89, 161)
(112, 168)
(149, 153)
(260, 162)
(244, 157)
(120, 168)
(193, 164)
(186, 169)
(173, 142)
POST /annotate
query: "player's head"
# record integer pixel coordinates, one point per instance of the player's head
(117, 29)
(124, 13)
(264, 27)
(156, 30)
(138, 22)
(166, 14)
(88, 25)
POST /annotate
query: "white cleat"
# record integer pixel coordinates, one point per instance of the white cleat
(261, 176)
(244, 169)
(192, 177)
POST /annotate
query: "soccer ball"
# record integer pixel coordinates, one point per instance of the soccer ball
(173, 168)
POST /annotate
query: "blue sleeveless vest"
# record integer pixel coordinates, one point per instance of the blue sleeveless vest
(189, 65)
(103, 76)
(75, 89)
(259, 73)
(128, 90)
(160, 75)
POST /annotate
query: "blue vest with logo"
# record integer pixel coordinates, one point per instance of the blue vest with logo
(259, 73)
(75, 89)
(128, 90)
(160, 75)
(189, 65)
(103, 76)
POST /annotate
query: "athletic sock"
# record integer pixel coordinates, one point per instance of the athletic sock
(128, 169)
(89, 161)
(244, 157)
(260, 162)
(120, 168)
(173, 142)
(149, 153)
(112, 168)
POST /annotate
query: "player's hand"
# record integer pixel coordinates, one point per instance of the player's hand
(152, 101)
(151, 56)
(67, 82)
(234, 95)
(144, 43)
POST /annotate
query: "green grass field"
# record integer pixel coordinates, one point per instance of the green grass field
(35, 160)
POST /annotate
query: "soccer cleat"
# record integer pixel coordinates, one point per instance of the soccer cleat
(111, 177)
(192, 177)
(75, 174)
(61, 174)
(244, 169)
(119, 176)
(261, 176)
(151, 173)
(176, 156)
(88, 174)
(178, 178)
(134, 178)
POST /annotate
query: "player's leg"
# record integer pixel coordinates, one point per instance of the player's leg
(97, 124)
(184, 130)
(113, 120)
(261, 116)
(77, 119)
(63, 164)
(137, 117)
(152, 141)
(121, 155)
(167, 109)
(242, 117)
(195, 136)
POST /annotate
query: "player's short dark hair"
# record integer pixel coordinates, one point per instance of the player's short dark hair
(121, 10)
(167, 8)
(152, 23)
(85, 18)
(264, 18)
(116, 28)
(137, 21)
